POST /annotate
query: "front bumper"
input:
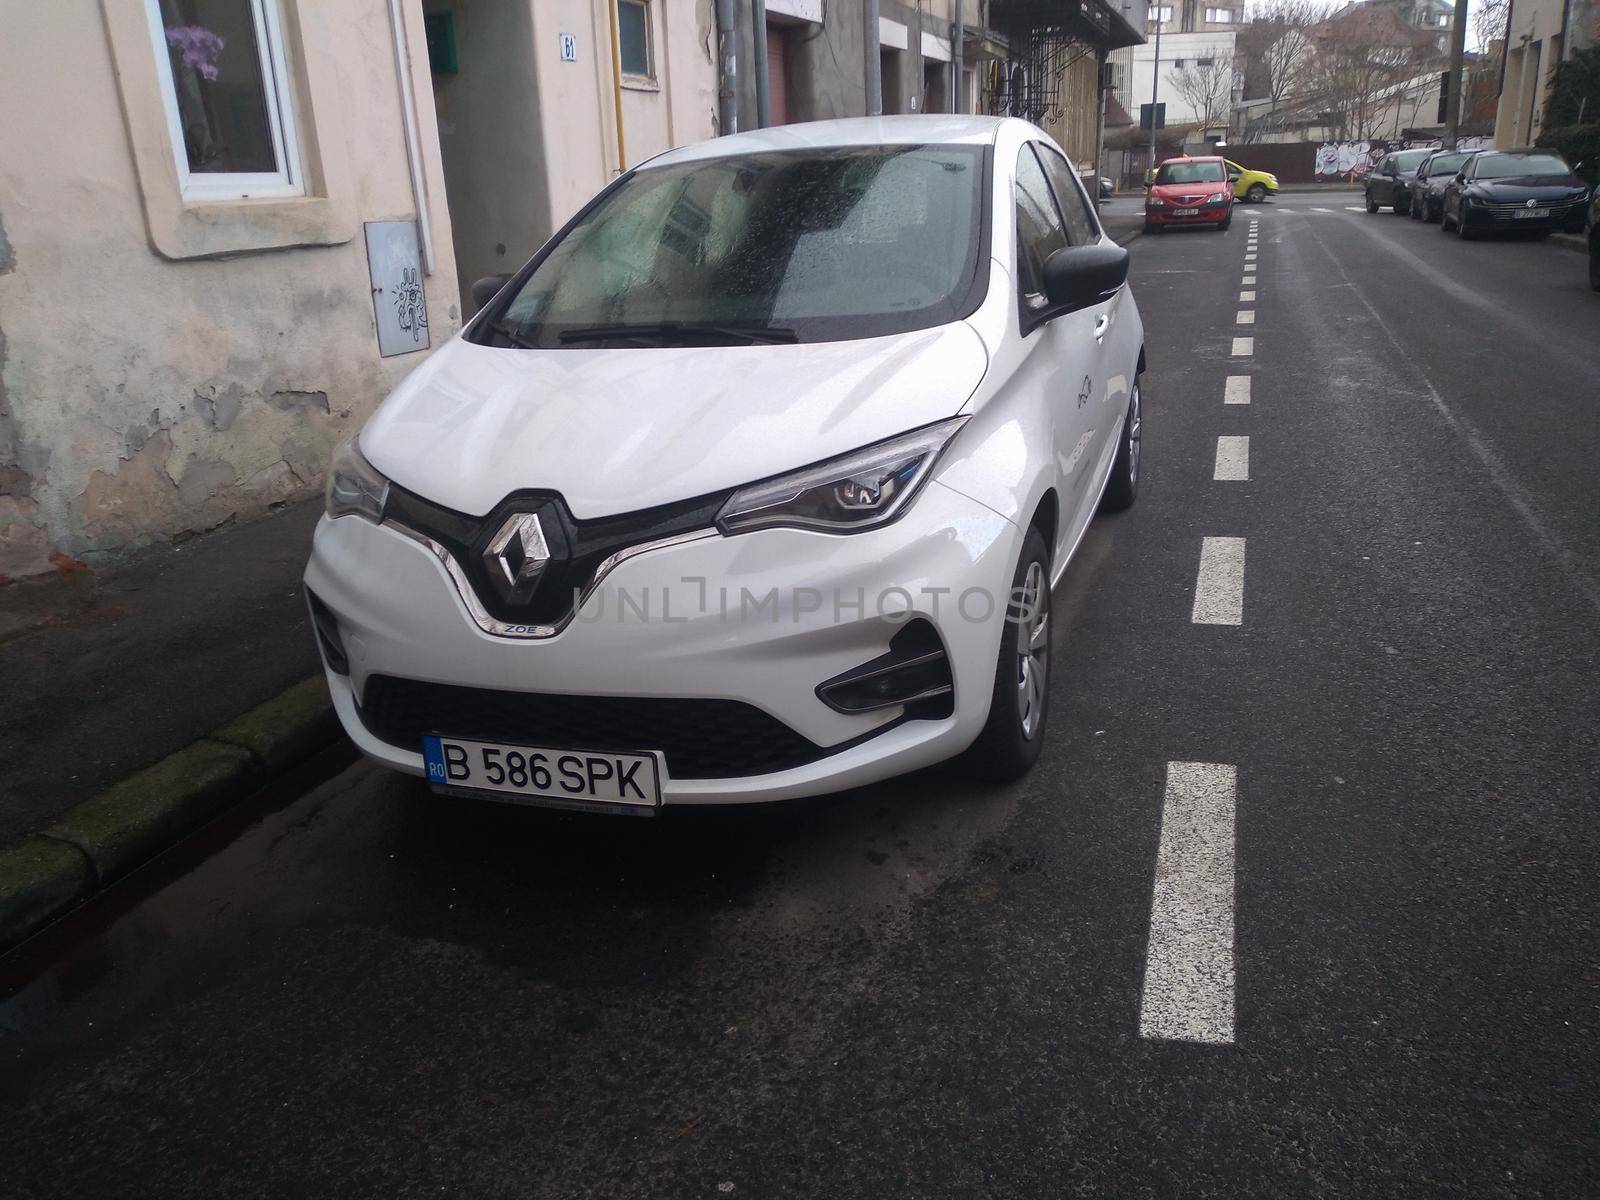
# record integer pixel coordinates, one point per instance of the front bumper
(695, 621)
(1207, 214)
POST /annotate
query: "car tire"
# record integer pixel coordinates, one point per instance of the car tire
(1257, 193)
(1151, 228)
(1222, 226)
(1122, 489)
(1462, 229)
(1019, 708)
(1445, 224)
(1372, 205)
(1402, 207)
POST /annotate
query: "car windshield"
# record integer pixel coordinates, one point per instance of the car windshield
(1446, 164)
(816, 245)
(1190, 172)
(1410, 160)
(1513, 166)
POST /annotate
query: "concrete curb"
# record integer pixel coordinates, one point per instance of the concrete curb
(106, 837)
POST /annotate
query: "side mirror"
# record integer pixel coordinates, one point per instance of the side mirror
(1079, 276)
(484, 290)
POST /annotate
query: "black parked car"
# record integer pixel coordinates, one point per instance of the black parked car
(1594, 240)
(1530, 190)
(1390, 181)
(1427, 185)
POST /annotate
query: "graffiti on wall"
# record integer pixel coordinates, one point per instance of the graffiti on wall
(1336, 159)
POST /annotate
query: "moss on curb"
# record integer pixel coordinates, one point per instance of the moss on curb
(39, 880)
(133, 820)
(287, 729)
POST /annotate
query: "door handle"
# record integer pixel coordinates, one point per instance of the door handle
(1101, 324)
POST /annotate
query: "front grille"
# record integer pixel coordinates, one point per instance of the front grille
(576, 547)
(702, 739)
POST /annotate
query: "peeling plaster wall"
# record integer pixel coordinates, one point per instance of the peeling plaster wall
(141, 397)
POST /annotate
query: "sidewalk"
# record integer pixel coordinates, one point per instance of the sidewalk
(109, 672)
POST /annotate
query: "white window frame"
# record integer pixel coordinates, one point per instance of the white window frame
(649, 41)
(202, 186)
(1161, 13)
(1219, 16)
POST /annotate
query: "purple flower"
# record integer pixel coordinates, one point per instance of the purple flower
(200, 47)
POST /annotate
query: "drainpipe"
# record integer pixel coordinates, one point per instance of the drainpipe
(958, 92)
(869, 43)
(727, 67)
(408, 118)
(616, 86)
(758, 22)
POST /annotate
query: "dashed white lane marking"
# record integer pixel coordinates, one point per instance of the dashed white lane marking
(1219, 588)
(1243, 347)
(1233, 459)
(1247, 297)
(1354, 208)
(1326, 210)
(1248, 280)
(1236, 390)
(1189, 971)
(1245, 316)
(1249, 258)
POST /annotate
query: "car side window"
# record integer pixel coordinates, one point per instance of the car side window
(1385, 166)
(1076, 213)
(1039, 230)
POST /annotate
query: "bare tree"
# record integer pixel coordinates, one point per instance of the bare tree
(1206, 86)
(1357, 67)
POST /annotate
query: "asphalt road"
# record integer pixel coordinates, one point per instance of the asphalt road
(928, 989)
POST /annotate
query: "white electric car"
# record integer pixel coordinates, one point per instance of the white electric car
(751, 484)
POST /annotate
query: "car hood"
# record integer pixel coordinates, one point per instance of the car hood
(615, 430)
(1185, 193)
(1536, 187)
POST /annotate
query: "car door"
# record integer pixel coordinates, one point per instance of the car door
(1112, 376)
(1381, 188)
(1065, 362)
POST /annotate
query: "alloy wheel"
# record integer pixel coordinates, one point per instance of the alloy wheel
(1033, 650)
(1135, 428)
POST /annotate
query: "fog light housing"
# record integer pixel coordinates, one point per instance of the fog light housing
(327, 628)
(915, 672)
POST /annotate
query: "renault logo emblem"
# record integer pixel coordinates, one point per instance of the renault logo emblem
(517, 556)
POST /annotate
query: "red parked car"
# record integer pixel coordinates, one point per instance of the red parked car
(1189, 191)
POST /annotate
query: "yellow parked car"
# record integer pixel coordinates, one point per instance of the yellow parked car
(1251, 186)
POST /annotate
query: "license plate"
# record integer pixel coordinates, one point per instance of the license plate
(1529, 214)
(579, 778)
(1186, 212)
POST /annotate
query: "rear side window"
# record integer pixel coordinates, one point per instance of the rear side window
(1039, 230)
(1075, 215)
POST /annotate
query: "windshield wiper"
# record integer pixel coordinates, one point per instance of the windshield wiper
(513, 334)
(670, 329)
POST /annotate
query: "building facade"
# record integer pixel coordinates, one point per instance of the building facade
(529, 122)
(221, 243)
(1541, 34)
(1198, 67)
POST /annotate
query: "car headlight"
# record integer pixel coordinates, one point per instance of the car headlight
(354, 485)
(858, 491)
(1154, 202)
(1217, 199)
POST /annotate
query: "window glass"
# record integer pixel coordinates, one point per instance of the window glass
(1039, 230)
(1446, 164)
(1408, 161)
(220, 86)
(1075, 214)
(1191, 172)
(1510, 166)
(836, 243)
(633, 36)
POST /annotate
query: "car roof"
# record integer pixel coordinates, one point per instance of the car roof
(908, 130)
(1194, 158)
